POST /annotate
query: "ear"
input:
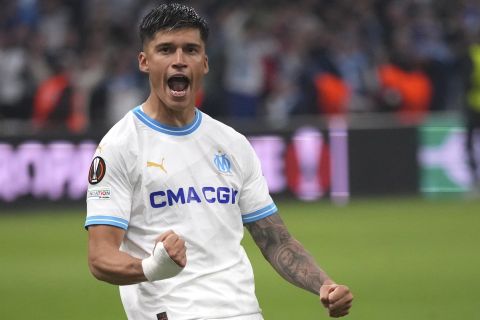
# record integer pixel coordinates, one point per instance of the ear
(143, 62)
(206, 67)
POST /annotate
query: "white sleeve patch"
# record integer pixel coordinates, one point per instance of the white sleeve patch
(103, 193)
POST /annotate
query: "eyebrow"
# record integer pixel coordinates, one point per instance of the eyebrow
(188, 44)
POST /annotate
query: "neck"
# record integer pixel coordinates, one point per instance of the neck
(167, 115)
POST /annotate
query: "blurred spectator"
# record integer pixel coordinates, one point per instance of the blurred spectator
(15, 81)
(247, 48)
(54, 24)
(407, 92)
(120, 90)
(472, 110)
(55, 101)
(88, 73)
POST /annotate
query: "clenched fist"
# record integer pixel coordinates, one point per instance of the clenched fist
(336, 298)
(168, 257)
(175, 247)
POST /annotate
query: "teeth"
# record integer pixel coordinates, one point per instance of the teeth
(178, 93)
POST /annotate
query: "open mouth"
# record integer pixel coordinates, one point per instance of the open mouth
(178, 85)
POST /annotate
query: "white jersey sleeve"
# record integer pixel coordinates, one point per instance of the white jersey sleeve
(109, 195)
(255, 201)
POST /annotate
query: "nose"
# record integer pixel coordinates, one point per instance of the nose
(179, 60)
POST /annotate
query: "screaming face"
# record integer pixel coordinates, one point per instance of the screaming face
(176, 63)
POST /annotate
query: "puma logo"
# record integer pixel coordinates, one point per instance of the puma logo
(157, 165)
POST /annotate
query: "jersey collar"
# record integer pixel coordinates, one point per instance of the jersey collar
(174, 131)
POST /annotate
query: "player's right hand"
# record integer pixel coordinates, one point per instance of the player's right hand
(175, 247)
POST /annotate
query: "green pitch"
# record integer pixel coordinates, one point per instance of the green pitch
(403, 259)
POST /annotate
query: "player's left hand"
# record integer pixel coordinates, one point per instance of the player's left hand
(336, 298)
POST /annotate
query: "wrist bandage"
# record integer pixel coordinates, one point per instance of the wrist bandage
(159, 265)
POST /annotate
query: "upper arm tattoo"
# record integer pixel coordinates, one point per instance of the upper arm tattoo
(286, 254)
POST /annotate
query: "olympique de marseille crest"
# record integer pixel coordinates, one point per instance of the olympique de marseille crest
(222, 162)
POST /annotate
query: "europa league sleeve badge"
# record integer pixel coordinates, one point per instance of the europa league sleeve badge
(97, 170)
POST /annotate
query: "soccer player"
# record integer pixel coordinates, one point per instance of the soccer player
(171, 190)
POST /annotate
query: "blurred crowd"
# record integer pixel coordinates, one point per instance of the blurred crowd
(73, 63)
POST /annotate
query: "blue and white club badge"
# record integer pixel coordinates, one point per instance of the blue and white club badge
(222, 162)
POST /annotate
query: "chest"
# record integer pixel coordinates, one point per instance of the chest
(176, 172)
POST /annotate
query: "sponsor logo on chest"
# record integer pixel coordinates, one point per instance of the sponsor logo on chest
(187, 195)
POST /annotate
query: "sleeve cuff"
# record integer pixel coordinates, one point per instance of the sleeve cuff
(259, 214)
(106, 220)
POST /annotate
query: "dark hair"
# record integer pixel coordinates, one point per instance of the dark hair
(172, 16)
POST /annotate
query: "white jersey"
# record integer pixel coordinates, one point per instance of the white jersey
(202, 181)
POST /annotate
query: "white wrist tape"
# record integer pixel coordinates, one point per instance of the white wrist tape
(159, 265)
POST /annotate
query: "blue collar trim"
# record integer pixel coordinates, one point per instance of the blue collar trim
(174, 131)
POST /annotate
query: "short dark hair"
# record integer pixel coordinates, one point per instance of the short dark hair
(172, 16)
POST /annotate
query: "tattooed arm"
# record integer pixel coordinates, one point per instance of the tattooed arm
(296, 265)
(286, 254)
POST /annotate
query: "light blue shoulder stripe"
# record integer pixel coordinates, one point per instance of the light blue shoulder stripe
(260, 214)
(106, 220)
(174, 131)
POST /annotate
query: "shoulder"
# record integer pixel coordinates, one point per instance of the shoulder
(120, 140)
(219, 128)
(122, 132)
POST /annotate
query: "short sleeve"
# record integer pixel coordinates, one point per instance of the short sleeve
(109, 194)
(255, 201)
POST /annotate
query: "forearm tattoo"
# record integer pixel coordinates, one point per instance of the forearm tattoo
(286, 254)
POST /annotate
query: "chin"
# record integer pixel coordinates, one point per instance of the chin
(181, 105)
